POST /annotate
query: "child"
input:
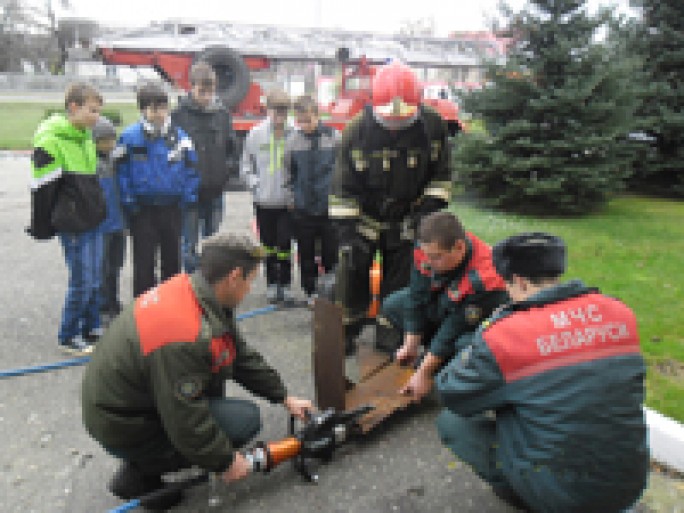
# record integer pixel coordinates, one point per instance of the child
(67, 201)
(262, 167)
(113, 239)
(209, 124)
(157, 179)
(309, 164)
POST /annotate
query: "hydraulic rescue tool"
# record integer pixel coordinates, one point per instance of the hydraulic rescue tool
(317, 439)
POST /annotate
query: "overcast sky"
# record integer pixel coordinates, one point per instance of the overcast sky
(372, 15)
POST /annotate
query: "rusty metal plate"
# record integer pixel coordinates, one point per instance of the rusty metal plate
(328, 354)
(370, 361)
(382, 391)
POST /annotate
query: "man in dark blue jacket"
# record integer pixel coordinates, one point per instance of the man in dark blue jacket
(545, 403)
(157, 179)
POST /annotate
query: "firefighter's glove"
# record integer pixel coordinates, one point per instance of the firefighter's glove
(427, 206)
(361, 253)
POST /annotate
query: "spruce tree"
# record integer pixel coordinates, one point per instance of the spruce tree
(555, 115)
(660, 166)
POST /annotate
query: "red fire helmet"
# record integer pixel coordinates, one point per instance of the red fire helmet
(396, 93)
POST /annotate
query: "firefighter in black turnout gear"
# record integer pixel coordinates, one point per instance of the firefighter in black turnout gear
(392, 168)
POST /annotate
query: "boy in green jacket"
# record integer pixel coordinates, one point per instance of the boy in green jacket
(67, 201)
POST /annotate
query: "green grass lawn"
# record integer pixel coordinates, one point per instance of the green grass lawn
(633, 250)
(20, 119)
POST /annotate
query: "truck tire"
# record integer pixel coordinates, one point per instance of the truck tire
(231, 71)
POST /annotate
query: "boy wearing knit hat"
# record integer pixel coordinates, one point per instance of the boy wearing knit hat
(545, 402)
(114, 240)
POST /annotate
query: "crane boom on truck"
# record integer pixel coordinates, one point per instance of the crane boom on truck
(237, 51)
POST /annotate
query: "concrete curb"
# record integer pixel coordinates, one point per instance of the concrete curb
(13, 154)
(666, 438)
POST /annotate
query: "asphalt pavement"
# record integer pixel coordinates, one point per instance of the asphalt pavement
(49, 464)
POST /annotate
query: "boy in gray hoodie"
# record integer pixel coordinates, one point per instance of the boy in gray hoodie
(262, 169)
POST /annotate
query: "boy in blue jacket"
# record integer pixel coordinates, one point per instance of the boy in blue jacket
(157, 179)
(113, 237)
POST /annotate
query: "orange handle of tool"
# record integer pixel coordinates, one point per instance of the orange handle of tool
(375, 280)
(282, 450)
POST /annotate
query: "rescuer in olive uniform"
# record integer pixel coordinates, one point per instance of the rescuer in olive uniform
(545, 400)
(392, 168)
(153, 394)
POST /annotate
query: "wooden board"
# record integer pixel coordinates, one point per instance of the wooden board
(380, 378)
(328, 355)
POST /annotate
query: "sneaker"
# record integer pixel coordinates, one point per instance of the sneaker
(311, 299)
(77, 346)
(272, 293)
(106, 319)
(93, 335)
(286, 295)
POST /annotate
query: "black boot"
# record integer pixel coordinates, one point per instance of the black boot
(387, 338)
(351, 333)
(129, 482)
(510, 497)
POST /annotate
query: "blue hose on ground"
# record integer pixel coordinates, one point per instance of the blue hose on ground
(85, 359)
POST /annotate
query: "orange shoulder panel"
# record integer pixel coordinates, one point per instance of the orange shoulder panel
(167, 313)
(482, 263)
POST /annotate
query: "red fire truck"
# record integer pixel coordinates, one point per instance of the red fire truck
(239, 51)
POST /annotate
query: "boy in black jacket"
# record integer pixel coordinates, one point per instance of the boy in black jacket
(209, 125)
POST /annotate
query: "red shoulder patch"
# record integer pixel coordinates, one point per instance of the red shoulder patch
(167, 313)
(223, 352)
(578, 330)
(481, 262)
(421, 262)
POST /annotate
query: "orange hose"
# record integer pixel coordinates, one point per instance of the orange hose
(283, 450)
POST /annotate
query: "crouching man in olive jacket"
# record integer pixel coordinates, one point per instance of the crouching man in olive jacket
(153, 394)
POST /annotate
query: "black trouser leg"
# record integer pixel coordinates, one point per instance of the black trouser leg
(145, 237)
(397, 262)
(329, 248)
(267, 220)
(168, 222)
(306, 244)
(114, 249)
(284, 247)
